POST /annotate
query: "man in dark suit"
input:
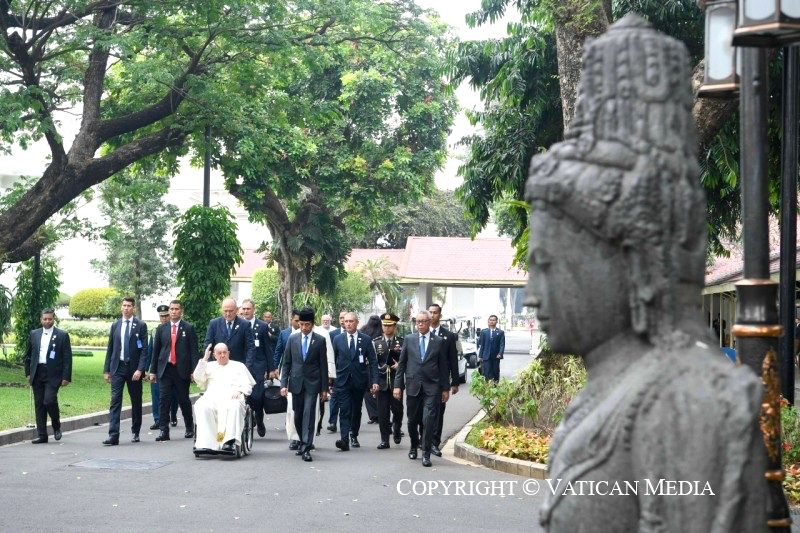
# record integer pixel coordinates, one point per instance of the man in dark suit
(259, 361)
(305, 375)
(273, 331)
(451, 350)
(155, 388)
(125, 364)
(175, 355)
(356, 371)
(48, 366)
(387, 350)
(423, 372)
(283, 338)
(230, 330)
(491, 346)
(333, 404)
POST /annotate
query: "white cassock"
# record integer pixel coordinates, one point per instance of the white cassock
(291, 431)
(218, 415)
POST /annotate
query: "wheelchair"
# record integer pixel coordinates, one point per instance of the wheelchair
(240, 450)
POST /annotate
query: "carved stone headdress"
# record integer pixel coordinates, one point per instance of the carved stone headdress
(627, 171)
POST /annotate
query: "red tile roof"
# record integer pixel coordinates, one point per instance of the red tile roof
(729, 269)
(440, 260)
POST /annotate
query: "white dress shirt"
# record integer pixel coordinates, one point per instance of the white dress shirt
(44, 344)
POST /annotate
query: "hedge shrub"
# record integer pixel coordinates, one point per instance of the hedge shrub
(95, 303)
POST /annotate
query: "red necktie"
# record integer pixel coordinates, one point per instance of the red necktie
(172, 357)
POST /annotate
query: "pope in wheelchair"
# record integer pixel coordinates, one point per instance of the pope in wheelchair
(220, 413)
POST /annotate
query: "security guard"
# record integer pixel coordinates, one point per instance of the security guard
(155, 388)
(387, 349)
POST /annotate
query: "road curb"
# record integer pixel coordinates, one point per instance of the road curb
(470, 453)
(12, 436)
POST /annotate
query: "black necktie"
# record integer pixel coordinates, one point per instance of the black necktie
(352, 347)
(229, 329)
(127, 340)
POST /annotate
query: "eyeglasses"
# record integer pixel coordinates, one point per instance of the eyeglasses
(423, 321)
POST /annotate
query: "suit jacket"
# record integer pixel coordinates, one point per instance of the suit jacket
(451, 351)
(239, 342)
(280, 348)
(338, 331)
(59, 356)
(310, 375)
(429, 375)
(186, 353)
(359, 366)
(490, 349)
(259, 359)
(273, 332)
(137, 346)
(387, 353)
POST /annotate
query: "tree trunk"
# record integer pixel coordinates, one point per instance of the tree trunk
(292, 279)
(575, 20)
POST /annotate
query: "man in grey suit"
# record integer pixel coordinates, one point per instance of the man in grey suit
(305, 375)
(423, 371)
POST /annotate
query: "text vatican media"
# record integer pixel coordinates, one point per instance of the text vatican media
(532, 487)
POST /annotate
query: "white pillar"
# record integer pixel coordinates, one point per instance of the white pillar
(424, 296)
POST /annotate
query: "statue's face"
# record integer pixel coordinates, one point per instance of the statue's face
(577, 284)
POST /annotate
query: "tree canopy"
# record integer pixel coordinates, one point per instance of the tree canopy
(146, 78)
(334, 135)
(528, 83)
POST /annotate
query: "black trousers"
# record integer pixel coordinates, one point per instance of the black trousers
(371, 403)
(437, 430)
(256, 399)
(422, 410)
(121, 378)
(351, 397)
(388, 404)
(305, 416)
(45, 400)
(171, 381)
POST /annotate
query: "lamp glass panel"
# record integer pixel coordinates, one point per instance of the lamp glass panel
(721, 23)
(791, 8)
(758, 9)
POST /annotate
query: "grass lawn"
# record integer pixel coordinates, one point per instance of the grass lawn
(88, 392)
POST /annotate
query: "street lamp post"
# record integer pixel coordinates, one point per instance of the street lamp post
(762, 24)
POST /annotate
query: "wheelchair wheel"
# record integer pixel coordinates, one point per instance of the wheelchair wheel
(247, 432)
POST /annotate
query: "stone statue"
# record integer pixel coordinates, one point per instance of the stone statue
(617, 259)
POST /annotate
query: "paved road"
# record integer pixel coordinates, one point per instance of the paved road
(353, 491)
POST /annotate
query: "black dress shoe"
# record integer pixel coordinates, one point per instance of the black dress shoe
(397, 438)
(294, 445)
(373, 421)
(354, 442)
(228, 447)
(57, 434)
(307, 456)
(312, 447)
(135, 437)
(111, 441)
(189, 434)
(343, 445)
(162, 437)
(262, 429)
(155, 426)
(426, 459)
(39, 440)
(332, 428)
(174, 423)
(383, 445)
(412, 454)
(299, 451)
(436, 451)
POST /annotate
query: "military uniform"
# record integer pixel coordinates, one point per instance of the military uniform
(387, 351)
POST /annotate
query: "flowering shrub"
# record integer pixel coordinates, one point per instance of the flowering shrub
(516, 442)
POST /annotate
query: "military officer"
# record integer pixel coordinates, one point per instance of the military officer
(387, 349)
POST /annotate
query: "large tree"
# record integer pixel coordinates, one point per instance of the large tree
(341, 132)
(138, 258)
(143, 77)
(528, 82)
